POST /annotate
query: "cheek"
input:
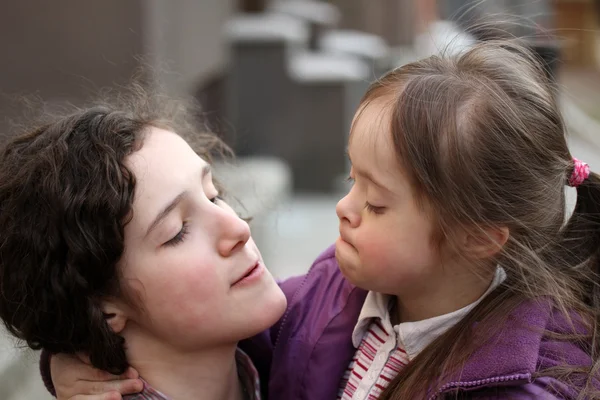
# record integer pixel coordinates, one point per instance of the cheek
(396, 244)
(376, 249)
(180, 292)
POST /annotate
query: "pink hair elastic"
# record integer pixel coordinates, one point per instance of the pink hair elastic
(580, 173)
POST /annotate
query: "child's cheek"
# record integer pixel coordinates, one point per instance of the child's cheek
(376, 251)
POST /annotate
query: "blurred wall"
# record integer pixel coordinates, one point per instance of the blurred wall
(188, 33)
(66, 49)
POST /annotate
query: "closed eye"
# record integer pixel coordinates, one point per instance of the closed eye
(180, 237)
(374, 209)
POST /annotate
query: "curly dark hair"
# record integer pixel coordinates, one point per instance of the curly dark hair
(65, 198)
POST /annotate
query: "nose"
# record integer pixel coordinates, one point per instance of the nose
(346, 212)
(234, 235)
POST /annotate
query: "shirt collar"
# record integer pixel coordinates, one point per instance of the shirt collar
(413, 336)
(246, 371)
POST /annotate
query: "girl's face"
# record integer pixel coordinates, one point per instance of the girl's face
(385, 242)
(190, 263)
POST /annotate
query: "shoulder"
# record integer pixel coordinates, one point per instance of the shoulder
(533, 343)
(538, 336)
(560, 343)
(565, 343)
(320, 295)
(323, 283)
(557, 348)
(323, 272)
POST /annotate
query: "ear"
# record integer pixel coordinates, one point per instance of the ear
(115, 314)
(485, 243)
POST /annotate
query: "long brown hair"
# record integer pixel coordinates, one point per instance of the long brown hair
(481, 138)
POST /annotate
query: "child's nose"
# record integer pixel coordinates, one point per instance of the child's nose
(346, 213)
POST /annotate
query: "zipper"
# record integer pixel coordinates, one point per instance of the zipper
(526, 378)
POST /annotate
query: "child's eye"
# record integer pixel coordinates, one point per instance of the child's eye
(350, 179)
(177, 239)
(374, 209)
(215, 199)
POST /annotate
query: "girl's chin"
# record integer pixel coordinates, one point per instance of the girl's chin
(272, 309)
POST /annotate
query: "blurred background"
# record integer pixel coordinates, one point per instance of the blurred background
(279, 80)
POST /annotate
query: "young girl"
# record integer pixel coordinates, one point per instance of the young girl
(115, 243)
(460, 272)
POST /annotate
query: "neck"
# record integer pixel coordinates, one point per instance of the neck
(452, 290)
(182, 374)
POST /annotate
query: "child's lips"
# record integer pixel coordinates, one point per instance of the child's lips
(344, 238)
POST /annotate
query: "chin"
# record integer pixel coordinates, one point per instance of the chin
(268, 310)
(347, 262)
(350, 271)
(277, 304)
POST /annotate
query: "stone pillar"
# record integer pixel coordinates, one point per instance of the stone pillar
(327, 92)
(259, 86)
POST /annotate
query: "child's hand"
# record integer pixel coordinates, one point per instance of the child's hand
(75, 379)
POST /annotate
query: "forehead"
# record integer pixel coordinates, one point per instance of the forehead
(163, 156)
(370, 146)
(163, 167)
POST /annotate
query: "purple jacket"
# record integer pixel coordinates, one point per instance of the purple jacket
(304, 356)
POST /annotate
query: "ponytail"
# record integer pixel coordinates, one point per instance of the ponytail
(581, 239)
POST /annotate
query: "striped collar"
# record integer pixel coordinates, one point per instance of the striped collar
(414, 336)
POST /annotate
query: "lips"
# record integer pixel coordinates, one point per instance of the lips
(247, 273)
(345, 238)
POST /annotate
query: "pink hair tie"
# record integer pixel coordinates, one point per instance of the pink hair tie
(580, 173)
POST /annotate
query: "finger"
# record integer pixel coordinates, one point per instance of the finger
(126, 386)
(84, 358)
(104, 396)
(131, 373)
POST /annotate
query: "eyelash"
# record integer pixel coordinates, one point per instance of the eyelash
(180, 237)
(374, 209)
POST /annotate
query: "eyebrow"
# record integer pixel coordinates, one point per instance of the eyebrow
(166, 211)
(174, 203)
